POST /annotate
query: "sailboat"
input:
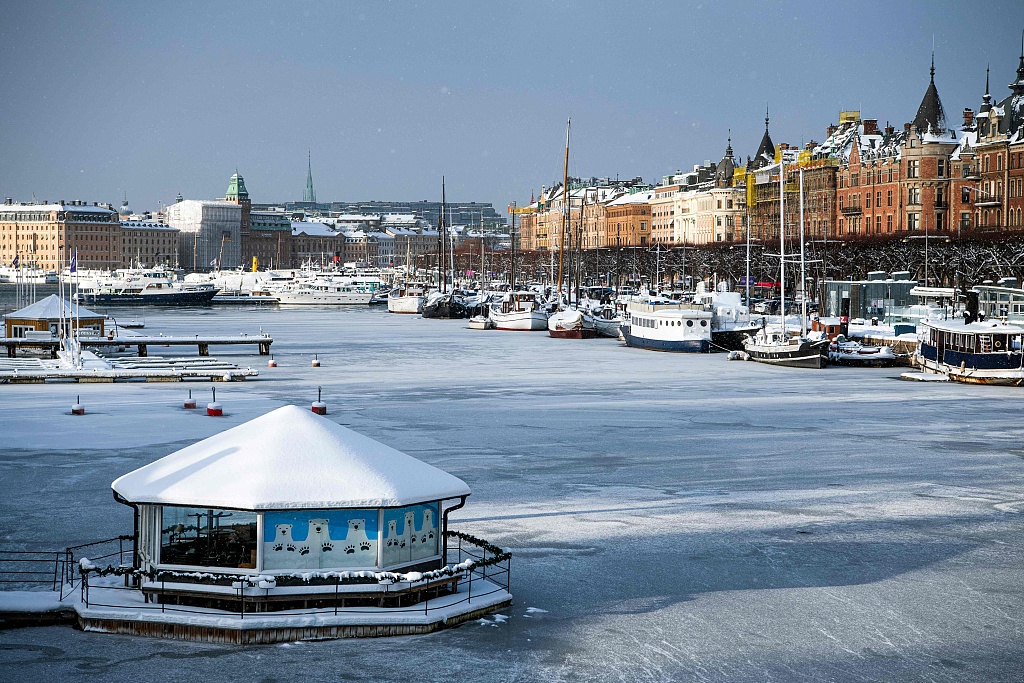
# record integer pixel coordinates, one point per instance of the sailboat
(443, 303)
(778, 347)
(568, 322)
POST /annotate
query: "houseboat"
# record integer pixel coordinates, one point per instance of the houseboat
(518, 311)
(986, 352)
(407, 297)
(668, 327)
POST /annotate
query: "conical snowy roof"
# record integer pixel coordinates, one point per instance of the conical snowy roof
(49, 309)
(288, 459)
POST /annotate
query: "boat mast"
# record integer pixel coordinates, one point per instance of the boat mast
(512, 254)
(442, 233)
(782, 242)
(565, 207)
(803, 277)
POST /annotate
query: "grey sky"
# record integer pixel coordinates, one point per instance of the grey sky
(152, 99)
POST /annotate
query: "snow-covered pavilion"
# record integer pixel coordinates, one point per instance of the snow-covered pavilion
(292, 514)
(48, 314)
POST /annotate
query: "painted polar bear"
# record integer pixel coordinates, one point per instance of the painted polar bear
(426, 538)
(359, 550)
(393, 544)
(317, 544)
(409, 534)
(281, 553)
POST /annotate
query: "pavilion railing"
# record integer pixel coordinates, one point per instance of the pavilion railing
(489, 574)
(57, 570)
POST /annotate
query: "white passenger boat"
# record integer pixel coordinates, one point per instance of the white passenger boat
(407, 297)
(320, 293)
(986, 352)
(730, 319)
(28, 275)
(661, 325)
(791, 351)
(518, 311)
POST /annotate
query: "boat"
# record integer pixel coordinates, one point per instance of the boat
(29, 275)
(778, 347)
(407, 297)
(481, 322)
(442, 305)
(244, 297)
(143, 286)
(845, 351)
(730, 319)
(518, 311)
(607, 320)
(571, 324)
(321, 293)
(971, 351)
(663, 325)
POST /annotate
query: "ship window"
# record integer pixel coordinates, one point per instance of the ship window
(703, 323)
(689, 323)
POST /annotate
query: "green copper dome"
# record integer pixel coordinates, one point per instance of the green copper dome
(236, 188)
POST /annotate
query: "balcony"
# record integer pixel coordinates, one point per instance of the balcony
(941, 204)
(987, 200)
(851, 210)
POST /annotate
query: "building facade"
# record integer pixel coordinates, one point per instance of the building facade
(46, 235)
(210, 233)
(147, 244)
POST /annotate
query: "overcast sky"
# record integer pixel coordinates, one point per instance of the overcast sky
(153, 99)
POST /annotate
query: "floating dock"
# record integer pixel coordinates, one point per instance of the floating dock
(141, 343)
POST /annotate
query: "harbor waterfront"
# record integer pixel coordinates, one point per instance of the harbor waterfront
(672, 516)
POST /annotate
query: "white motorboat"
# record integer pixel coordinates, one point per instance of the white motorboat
(607, 320)
(518, 311)
(321, 293)
(571, 324)
(730, 319)
(407, 297)
(480, 322)
(847, 352)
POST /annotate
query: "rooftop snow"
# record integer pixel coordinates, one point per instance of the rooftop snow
(288, 458)
(49, 309)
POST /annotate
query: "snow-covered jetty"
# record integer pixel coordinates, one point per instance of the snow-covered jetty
(290, 527)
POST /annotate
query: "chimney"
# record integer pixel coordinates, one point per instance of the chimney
(968, 117)
(831, 130)
(889, 130)
(870, 126)
(906, 127)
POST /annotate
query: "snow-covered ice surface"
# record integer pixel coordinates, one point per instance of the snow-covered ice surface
(671, 516)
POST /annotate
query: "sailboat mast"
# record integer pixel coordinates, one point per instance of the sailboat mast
(512, 256)
(782, 242)
(803, 277)
(565, 206)
(442, 234)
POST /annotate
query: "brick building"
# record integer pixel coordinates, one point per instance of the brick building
(46, 235)
(147, 244)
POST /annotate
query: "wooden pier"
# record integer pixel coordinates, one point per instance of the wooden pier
(141, 343)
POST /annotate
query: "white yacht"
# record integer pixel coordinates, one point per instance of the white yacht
(320, 293)
(407, 297)
(518, 311)
(143, 286)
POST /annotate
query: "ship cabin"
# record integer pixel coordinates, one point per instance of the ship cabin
(986, 352)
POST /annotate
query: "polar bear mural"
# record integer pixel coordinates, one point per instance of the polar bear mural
(409, 534)
(393, 544)
(426, 538)
(281, 552)
(359, 549)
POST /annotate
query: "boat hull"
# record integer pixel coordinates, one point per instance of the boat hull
(731, 340)
(811, 355)
(174, 298)
(405, 304)
(680, 346)
(520, 321)
(581, 333)
(998, 369)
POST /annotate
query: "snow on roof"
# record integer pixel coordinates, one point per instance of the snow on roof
(289, 458)
(56, 207)
(49, 309)
(984, 327)
(634, 198)
(313, 229)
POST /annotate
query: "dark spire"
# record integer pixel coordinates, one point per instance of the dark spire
(1018, 86)
(986, 101)
(766, 150)
(309, 196)
(931, 115)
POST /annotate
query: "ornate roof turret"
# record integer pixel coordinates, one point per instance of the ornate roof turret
(930, 115)
(1018, 85)
(236, 188)
(125, 210)
(726, 167)
(766, 150)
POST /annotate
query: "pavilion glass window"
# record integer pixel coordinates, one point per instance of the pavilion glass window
(208, 537)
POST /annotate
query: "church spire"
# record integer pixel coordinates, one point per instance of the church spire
(309, 196)
(930, 115)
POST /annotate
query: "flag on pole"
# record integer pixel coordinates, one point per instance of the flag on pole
(14, 263)
(213, 263)
(74, 262)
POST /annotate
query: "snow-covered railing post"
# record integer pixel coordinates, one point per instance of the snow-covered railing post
(470, 600)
